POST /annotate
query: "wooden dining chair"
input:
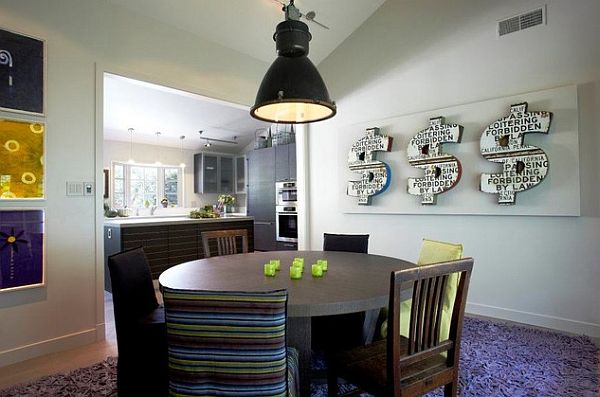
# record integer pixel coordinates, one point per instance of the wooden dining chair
(229, 343)
(415, 365)
(224, 242)
(139, 325)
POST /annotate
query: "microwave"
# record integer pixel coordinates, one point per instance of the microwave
(286, 193)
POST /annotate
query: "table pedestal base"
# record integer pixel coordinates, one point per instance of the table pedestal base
(298, 334)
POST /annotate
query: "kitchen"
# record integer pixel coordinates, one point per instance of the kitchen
(213, 160)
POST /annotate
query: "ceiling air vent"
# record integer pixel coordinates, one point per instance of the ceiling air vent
(523, 21)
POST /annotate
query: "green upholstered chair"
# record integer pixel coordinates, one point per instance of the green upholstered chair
(224, 343)
(433, 251)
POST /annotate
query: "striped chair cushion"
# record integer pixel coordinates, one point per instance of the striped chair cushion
(227, 343)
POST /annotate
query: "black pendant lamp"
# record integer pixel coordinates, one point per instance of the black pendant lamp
(292, 91)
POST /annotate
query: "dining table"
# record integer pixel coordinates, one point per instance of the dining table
(353, 282)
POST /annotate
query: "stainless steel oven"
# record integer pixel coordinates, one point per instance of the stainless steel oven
(287, 194)
(287, 223)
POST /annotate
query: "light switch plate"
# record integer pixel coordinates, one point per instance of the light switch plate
(74, 189)
(88, 188)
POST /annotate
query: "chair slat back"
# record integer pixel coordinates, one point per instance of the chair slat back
(429, 282)
(225, 242)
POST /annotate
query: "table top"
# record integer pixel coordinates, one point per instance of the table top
(354, 282)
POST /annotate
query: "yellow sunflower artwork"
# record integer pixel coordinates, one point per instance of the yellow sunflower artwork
(21, 160)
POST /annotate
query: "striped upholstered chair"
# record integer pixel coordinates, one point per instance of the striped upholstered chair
(229, 344)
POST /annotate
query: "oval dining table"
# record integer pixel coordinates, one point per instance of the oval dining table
(354, 282)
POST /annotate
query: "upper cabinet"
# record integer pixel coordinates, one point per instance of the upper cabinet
(213, 173)
(240, 174)
(285, 162)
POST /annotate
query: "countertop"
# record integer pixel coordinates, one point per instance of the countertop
(170, 220)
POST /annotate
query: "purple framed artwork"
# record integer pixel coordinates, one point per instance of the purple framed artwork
(22, 78)
(21, 249)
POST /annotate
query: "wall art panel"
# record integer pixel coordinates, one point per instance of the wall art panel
(21, 249)
(523, 166)
(424, 151)
(22, 164)
(21, 73)
(557, 195)
(374, 174)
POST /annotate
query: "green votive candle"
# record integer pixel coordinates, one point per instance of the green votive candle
(295, 272)
(323, 263)
(276, 263)
(269, 270)
(316, 270)
(299, 265)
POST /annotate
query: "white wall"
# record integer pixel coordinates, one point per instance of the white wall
(147, 154)
(416, 56)
(83, 39)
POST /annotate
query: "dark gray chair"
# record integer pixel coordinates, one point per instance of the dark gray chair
(349, 329)
(140, 327)
(346, 242)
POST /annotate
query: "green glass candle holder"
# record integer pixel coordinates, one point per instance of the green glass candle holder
(295, 272)
(269, 270)
(323, 264)
(316, 270)
(276, 263)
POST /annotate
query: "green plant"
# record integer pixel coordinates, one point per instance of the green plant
(226, 199)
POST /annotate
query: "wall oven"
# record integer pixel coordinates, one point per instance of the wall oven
(287, 223)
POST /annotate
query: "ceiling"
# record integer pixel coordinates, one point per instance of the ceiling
(247, 26)
(148, 108)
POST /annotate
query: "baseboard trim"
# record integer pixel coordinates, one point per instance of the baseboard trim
(65, 342)
(539, 320)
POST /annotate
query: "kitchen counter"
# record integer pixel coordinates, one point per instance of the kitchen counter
(124, 222)
(167, 240)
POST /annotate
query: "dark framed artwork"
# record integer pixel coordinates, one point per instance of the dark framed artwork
(21, 73)
(21, 159)
(21, 249)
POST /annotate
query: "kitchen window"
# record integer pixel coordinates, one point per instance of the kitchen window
(139, 186)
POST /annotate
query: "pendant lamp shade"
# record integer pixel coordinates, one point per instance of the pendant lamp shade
(292, 91)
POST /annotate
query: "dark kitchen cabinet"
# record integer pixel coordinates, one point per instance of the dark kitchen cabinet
(261, 165)
(167, 244)
(264, 236)
(213, 174)
(285, 162)
(210, 174)
(260, 192)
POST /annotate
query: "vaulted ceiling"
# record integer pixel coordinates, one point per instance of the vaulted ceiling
(246, 26)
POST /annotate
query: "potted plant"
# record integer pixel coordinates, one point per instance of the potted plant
(164, 202)
(225, 203)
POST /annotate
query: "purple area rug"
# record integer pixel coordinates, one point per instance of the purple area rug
(97, 380)
(496, 360)
(506, 360)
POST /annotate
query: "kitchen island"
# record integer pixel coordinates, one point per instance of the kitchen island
(167, 241)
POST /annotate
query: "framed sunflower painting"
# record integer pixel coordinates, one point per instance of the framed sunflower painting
(21, 249)
(22, 164)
